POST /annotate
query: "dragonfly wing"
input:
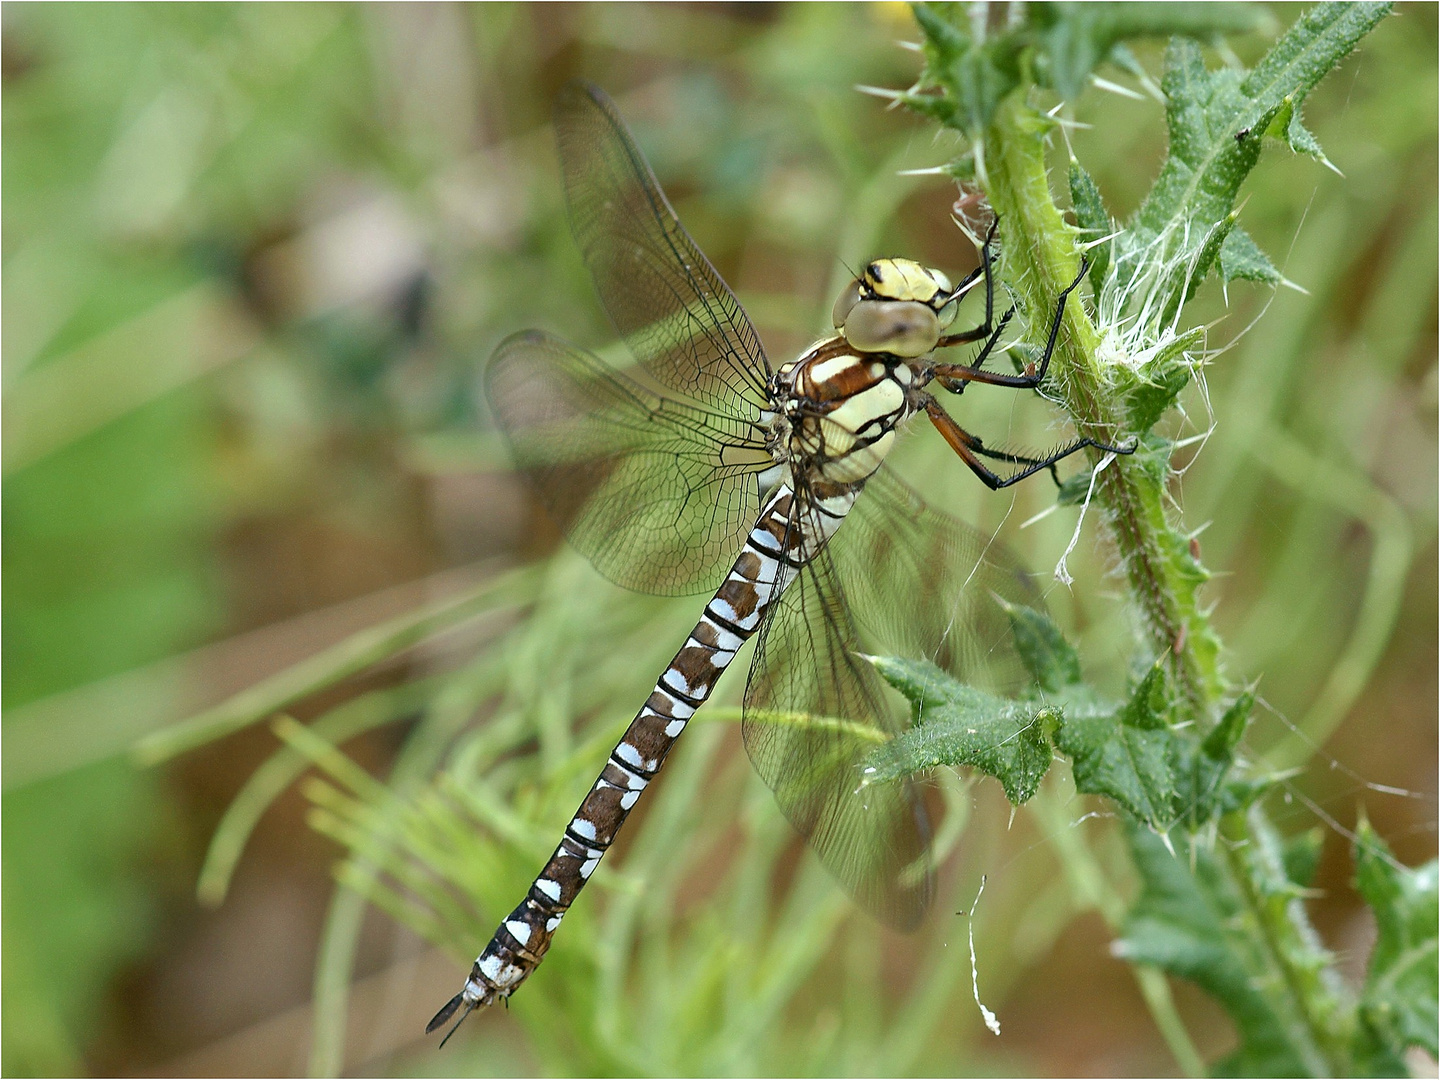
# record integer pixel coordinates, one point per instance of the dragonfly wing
(925, 585)
(814, 713)
(658, 494)
(674, 310)
(902, 579)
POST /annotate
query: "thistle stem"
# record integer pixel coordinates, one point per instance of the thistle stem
(1305, 987)
(1041, 259)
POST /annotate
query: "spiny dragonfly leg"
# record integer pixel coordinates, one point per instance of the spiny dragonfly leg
(971, 449)
(947, 374)
(972, 372)
(983, 330)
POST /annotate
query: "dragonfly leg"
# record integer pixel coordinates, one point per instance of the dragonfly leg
(970, 450)
(952, 375)
(983, 330)
(956, 384)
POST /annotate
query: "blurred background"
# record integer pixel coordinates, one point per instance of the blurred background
(254, 257)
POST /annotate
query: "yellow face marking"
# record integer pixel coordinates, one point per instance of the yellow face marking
(904, 279)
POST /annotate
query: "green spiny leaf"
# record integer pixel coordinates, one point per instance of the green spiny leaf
(974, 68)
(1184, 277)
(1074, 488)
(1220, 743)
(1051, 660)
(1147, 707)
(1126, 764)
(1201, 771)
(1155, 385)
(1398, 1006)
(1188, 920)
(1126, 754)
(1242, 259)
(1216, 120)
(1093, 219)
(1073, 38)
(957, 724)
(1184, 566)
(1300, 139)
(1209, 152)
(1241, 791)
(973, 76)
(1318, 40)
(1302, 856)
(1161, 775)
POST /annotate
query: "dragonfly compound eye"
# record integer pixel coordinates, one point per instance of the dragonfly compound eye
(901, 327)
(847, 300)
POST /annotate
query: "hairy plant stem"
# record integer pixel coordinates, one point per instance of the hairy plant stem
(1041, 259)
(1304, 984)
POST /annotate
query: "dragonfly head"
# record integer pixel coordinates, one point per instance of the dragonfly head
(896, 306)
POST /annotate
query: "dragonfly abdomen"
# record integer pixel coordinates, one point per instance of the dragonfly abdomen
(786, 535)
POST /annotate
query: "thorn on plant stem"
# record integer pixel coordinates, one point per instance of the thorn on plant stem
(881, 92)
(1088, 245)
(1115, 88)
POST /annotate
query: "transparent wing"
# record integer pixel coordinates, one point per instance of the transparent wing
(898, 579)
(814, 713)
(927, 585)
(658, 494)
(676, 313)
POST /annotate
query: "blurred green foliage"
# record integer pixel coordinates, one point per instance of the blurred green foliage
(1398, 1004)
(253, 257)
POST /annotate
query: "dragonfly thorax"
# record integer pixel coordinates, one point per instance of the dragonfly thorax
(896, 306)
(837, 410)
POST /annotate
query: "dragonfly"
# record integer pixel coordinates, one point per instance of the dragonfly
(712, 471)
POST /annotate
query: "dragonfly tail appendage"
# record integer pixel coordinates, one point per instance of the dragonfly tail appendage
(765, 566)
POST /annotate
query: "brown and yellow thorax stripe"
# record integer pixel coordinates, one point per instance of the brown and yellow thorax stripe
(839, 411)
